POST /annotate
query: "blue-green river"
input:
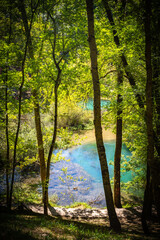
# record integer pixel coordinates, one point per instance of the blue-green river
(82, 180)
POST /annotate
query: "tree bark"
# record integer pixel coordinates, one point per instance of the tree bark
(8, 163)
(36, 105)
(130, 77)
(114, 222)
(57, 83)
(117, 156)
(40, 145)
(149, 116)
(52, 145)
(155, 35)
(7, 139)
(18, 124)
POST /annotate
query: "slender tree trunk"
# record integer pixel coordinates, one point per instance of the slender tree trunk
(36, 104)
(114, 222)
(57, 83)
(117, 156)
(122, 56)
(149, 117)
(7, 118)
(7, 139)
(40, 146)
(18, 124)
(130, 77)
(52, 145)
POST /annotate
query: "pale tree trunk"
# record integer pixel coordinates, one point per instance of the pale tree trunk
(117, 156)
(114, 222)
(40, 146)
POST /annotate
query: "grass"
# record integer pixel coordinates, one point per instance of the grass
(25, 226)
(21, 226)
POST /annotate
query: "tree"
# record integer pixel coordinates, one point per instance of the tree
(15, 59)
(117, 156)
(115, 224)
(153, 165)
(35, 95)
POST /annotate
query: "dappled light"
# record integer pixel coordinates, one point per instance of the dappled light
(79, 119)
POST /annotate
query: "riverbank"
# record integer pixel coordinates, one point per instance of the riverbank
(89, 135)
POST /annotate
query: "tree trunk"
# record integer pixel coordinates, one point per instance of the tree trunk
(6, 114)
(40, 146)
(156, 94)
(117, 156)
(36, 103)
(57, 83)
(114, 222)
(52, 145)
(122, 56)
(149, 116)
(7, 139)
(130, 77)
(147, 203)
(19, 122)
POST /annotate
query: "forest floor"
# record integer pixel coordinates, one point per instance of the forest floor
(73, 223)
(130, 218)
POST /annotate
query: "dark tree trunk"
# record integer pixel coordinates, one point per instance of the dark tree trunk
(156, 94)
(151, 173)
(117, 156)
(147, 203)
(114, 222)
(58, 80)
(19, 118)
(57, 83)
(7, 139)
(156, 69)
(6, 115)
(122, 56)
(130, 77)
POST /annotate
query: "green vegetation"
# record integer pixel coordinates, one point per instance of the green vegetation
(29, 226)
(45, 73)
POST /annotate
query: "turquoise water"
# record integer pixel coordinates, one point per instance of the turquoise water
(84, 163)
(87, 157)
(89, 104)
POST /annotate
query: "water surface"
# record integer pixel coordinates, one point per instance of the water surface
(82, 180)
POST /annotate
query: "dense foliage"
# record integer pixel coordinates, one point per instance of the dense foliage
(45, 70)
